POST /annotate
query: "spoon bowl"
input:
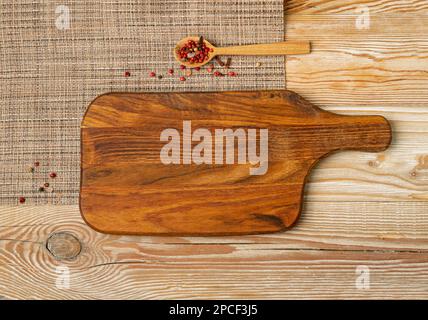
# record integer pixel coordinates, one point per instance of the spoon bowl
(267, 49)
(183, 41)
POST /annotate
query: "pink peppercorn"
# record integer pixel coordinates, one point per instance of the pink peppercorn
(217, 74)
(52, 175)
(171, 71)
(182, 67)
(210, 70)
(127, 74)
(198, 68)
(37, 163)
(152, 74)
(231, 73)
(21, 200)
(182, 79)
(193, 52)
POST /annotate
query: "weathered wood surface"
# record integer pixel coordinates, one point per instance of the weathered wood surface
(363, 209)
(379, 70)
(319, 258)
(126, 189)
(316, 7)
(385, 65)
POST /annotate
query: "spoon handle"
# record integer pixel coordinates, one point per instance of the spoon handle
(267, 49)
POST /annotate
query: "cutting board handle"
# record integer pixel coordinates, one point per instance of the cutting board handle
(362, 133)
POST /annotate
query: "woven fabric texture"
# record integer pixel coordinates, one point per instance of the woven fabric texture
(56, 58)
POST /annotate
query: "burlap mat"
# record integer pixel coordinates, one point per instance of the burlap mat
(48, 76)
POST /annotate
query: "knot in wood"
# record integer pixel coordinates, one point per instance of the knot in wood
(63, 245)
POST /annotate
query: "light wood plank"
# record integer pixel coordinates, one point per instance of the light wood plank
(293, 7)
(398, 174)
(285, 265)
(386, 65)
(285, 275)
(324, 225)
(382, 70)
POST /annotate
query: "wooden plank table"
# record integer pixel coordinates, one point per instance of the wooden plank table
(366, 215)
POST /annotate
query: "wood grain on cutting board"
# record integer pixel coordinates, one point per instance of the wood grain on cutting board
(363, 209)
(126, 187)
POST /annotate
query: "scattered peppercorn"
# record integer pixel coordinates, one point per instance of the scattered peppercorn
(21, 200)
(188, 72)
(37, 163)
(201, 40)
(217, 58)
(46, 185)
(41, 189)
(228, 62)
(127, 74)
(52, 175)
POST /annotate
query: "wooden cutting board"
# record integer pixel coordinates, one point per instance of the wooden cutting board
(243, 173)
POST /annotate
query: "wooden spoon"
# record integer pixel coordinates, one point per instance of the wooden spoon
(266, 49)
